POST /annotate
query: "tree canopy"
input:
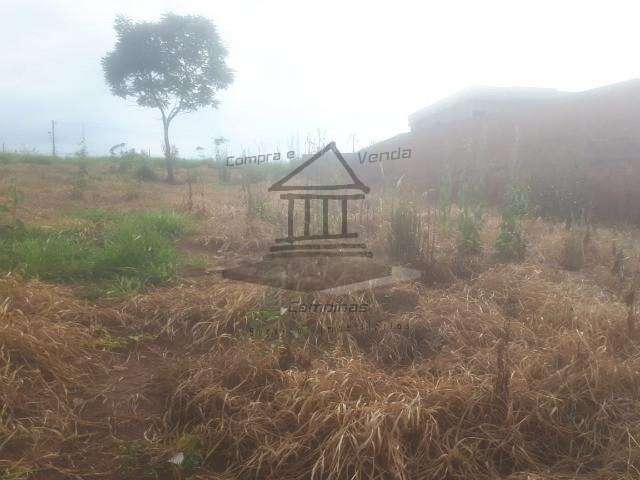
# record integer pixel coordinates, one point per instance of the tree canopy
(176, 65)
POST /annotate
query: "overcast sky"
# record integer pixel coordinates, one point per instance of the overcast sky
(344, 67)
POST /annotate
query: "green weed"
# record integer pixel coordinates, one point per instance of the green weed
(511, 244)
(469, 227)
(120, 255)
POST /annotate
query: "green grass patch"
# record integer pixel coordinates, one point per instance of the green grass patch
(117, 254)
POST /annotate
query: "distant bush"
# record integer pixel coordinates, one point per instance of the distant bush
(189, 164)
(143, 171)
(36, 160)
(26, 158)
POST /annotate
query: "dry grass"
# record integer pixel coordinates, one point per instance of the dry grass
(524, 371)
(567, 376)
(45, 369)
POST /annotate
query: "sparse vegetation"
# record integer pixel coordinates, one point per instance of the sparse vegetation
(470, 220)
(79, 183)
(519, 370)
(9, 206)
(258, 204)
(469, 227)
(511, 244)
(143, 171)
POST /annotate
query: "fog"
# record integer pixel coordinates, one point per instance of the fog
(344, 68)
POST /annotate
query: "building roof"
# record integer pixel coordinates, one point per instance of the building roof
(516, 96)
(356, 183)
(487, 94)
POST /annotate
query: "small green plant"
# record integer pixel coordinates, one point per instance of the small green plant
(470, 221)
(511, 244)
(130, 455)
(517, 201)
(192, 451)
(469, 226)
(263, 317)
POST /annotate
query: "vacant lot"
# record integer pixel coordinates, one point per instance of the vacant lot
(124, 354)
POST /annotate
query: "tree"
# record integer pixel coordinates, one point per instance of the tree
(176, 65)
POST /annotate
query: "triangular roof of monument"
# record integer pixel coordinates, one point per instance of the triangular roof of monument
(356, 184)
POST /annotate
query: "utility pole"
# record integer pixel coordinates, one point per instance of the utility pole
(53, 137)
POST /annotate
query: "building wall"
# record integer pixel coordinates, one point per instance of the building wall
(587, 144)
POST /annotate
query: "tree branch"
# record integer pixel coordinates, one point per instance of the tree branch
(175, 111)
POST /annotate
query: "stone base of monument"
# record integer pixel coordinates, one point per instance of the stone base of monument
(333, 275)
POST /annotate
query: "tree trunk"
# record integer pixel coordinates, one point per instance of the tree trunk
(168, 153)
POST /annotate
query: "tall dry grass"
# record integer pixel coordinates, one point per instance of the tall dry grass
(524, 371)
(452, 396)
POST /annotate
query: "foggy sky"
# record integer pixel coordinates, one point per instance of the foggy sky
(342, 67)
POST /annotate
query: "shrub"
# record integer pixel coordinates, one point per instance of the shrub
(469, 227)
(511, 244)
(145, 172)
(406, 232)
(517, 203)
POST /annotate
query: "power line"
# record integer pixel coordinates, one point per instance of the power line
(53, 137)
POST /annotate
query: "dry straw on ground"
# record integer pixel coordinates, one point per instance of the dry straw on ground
(518, 372)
